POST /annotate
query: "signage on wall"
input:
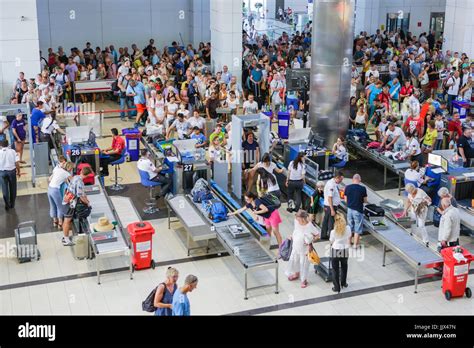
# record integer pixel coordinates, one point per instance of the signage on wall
(419, 24)
(382, 27)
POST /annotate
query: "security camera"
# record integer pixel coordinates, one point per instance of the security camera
(22, 18)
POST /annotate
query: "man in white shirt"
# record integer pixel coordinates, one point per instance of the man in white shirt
(9, 170)
(449, 225)
(154, 174)
(372, 72)
(394, 138)
(332, 201)
(182, 128)
(276, 86)
(197, 121)
(393, 68)
(48, 127)
(453, 84)
(250, 106)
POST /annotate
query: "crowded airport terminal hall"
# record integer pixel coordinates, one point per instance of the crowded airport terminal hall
(236, 157)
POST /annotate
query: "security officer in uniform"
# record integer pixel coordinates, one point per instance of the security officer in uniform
(9, 169)
(332, 200)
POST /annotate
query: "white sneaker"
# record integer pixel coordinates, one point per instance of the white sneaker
(67, 241)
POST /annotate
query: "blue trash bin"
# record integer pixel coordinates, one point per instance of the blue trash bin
(132, 139)
(283, 124)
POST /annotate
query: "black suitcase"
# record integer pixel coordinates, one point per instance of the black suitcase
(324, 269)
(372, 210)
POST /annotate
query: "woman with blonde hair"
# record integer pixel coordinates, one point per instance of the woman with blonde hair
(340, 239)
(417, 209)
(165, 292)
(304, 234)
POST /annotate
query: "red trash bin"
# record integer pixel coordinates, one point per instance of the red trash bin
(455, 273)
(141, 237)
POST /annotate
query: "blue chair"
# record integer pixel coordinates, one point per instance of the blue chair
(341, 164)
(151, 202)
(116, 186)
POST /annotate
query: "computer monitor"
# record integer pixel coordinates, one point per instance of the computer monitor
(434, 160)
(444, 164)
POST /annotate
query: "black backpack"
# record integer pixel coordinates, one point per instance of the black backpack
(271, 202)
(149, 304)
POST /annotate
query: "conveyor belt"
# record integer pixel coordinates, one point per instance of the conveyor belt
(194, 222)
(247, 250)
(397, 239)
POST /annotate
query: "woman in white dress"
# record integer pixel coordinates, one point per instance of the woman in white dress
(417, 208)
(304, 234)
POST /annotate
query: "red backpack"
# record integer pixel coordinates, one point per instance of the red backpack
(90, 179)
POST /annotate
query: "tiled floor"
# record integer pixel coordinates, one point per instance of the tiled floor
(220, 290)
(60, 284)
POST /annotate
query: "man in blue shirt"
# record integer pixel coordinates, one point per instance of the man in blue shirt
(197, 134)
(355, 197)
(137, 91)
(37, 115)
(374, 90)
(395, 88)
(181, 305)
(415, 70)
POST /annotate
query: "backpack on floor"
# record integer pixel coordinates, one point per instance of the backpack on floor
(216, 210)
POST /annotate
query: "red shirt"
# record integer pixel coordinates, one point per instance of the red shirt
(455, 126)
(118, 144)
(412, 124)
(407, 91)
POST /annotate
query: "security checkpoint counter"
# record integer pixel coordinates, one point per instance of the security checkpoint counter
(243, 245)
(102, 206)
(397, 239)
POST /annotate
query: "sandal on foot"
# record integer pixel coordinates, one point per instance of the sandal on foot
(304, 284)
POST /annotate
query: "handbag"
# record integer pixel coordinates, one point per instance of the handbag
(313, 256)
(83, 211)
(285, 249)
(68, 197)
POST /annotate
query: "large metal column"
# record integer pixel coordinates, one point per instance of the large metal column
(331, 58)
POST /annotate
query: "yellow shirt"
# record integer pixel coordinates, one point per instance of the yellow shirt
(430, 137)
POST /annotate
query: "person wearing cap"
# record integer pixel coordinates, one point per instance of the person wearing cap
(181, 305)
(465, 146)
(304, 235)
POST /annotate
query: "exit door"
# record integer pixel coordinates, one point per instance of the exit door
(437, 23)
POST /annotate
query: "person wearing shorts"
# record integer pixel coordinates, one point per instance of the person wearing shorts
(137, 91)
(355, 196)
(76, 187)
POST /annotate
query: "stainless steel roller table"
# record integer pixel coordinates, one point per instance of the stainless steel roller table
(103, 206)
(395, 238)
(246, 249)
(197, 227)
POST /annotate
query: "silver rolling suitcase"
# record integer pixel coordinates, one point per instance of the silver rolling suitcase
(26, 242)
(81, 246)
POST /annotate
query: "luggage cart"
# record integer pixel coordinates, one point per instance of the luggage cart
(26, 242)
